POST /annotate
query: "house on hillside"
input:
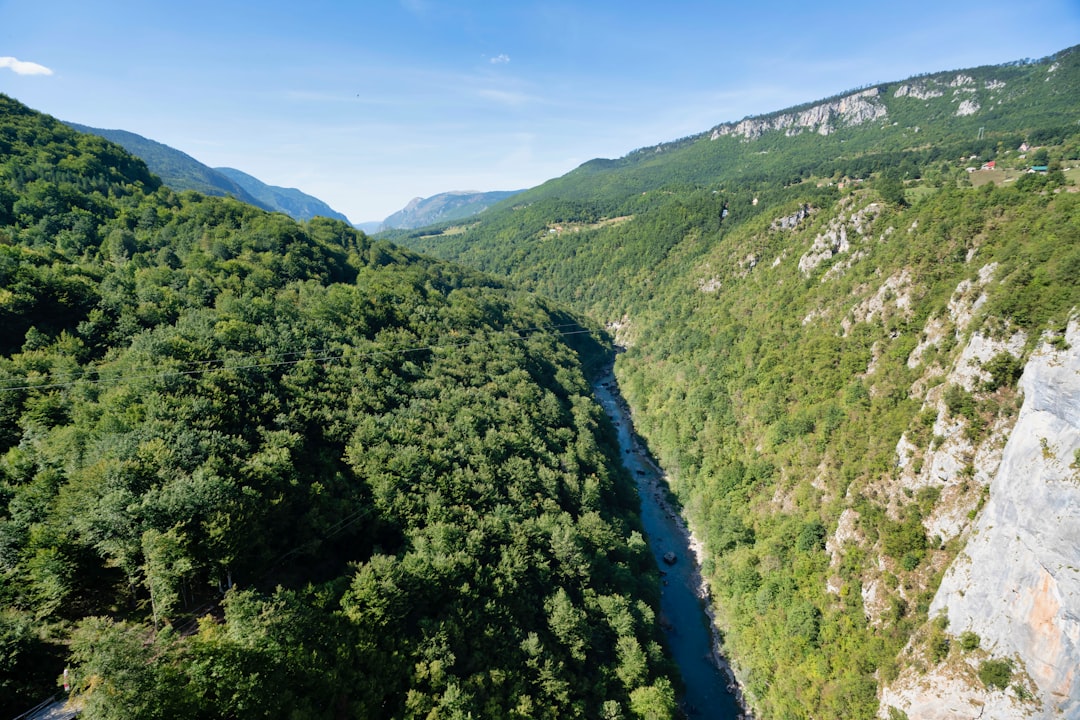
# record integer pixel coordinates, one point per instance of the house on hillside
(989, 165)
(1024, 147)
(1039, 169)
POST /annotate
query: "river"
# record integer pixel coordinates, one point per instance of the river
(691, 639)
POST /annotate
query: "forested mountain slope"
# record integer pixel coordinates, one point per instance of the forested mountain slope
(250, 467)
(177, 169)
(180, 172)
(826, 312)
(296, 204)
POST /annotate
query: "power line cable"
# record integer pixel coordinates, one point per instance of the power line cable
(223, 360)
(276, 363)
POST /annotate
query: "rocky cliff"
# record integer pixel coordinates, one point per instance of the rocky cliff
(1015, 589)
(854, 109)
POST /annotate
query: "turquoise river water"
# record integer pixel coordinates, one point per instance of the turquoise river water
(710, 688)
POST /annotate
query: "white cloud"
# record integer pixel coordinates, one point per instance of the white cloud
(501, 59)
(21, 67)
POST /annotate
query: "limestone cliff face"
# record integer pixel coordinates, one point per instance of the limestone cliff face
(1017, 582)
(854, 109)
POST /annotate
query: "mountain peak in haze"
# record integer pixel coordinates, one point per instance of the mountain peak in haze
(180, 171)
(290, 201)
(452, 205)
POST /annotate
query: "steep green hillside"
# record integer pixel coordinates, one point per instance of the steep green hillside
(905, 127)
(797, 292)
(178, 170)
(294, 203)
(250, 467)
(925, 128)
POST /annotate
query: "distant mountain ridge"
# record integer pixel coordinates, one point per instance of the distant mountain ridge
(295, 203)
(929, 118)
(180, 171)
(453, 205)
(177, 169)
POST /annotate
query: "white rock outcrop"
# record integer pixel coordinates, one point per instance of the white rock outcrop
(789, 222)
(854, 109)
(834, 239)
(895, 292)
(1017, 582)
(967, 107)
(965, 301)
(919, 91)
(956, 465)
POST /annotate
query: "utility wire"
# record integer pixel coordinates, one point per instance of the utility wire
(221, 362)
(338, 527)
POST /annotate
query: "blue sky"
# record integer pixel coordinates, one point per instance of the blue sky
(367, 104)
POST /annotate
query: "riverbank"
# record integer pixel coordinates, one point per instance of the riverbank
(712, 690)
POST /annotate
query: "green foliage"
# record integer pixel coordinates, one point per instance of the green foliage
(25, 657)
(118, 677)
(995, 674)
(739, 359)
(804, 623)
(811, 537)
(891, 189)
(959, 401)
(248, 464)
(906, 537)
(937, 642)
(1005, 369)
(470, 486)
(969, 640)
(653, 702)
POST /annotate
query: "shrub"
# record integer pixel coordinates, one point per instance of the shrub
(804, 623)
(959, 401)
(969, 640)
(905, 536)
(1004, 370)
(938, 644)
(995, 673)
(811, 537)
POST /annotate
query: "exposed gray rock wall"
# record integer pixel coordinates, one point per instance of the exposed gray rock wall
(1017, 582)
(854, 109)
(833, 240)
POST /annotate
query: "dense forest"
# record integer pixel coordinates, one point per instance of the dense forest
(256, 468)
(789, 305)
(250, 466)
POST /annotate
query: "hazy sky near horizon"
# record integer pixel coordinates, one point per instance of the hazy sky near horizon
(369, 104)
